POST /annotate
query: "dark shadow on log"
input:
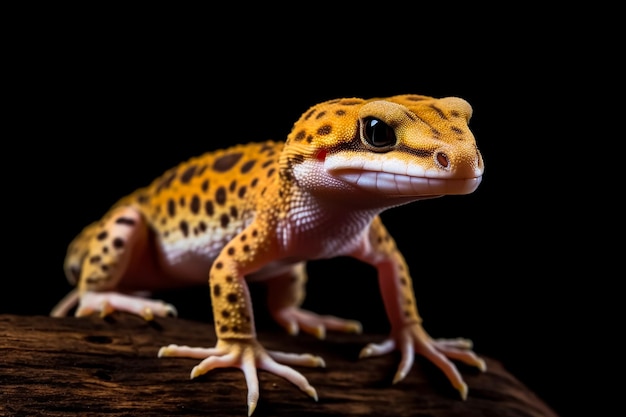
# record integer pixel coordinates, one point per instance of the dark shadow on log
(95, 367)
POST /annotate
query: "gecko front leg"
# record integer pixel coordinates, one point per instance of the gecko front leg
(237, 345)
(407, 334)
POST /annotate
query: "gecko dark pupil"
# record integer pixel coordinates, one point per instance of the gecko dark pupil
(378, 134)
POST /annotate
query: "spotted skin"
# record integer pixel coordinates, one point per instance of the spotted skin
(261, 210)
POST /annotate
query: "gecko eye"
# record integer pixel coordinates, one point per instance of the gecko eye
(378, 133)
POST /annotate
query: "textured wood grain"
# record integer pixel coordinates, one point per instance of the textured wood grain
(90, 366)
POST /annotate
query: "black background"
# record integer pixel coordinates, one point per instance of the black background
(102, 106)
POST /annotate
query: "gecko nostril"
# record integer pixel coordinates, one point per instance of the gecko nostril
(442, 159)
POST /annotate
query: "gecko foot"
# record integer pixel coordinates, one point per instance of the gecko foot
(247, 355)
(293, 319)
(412, 339)
(107, 302)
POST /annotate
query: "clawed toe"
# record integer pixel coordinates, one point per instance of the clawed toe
(247, 355)
(293, 319)
(106, 303)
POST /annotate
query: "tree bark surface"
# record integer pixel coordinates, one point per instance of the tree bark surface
(95, 367)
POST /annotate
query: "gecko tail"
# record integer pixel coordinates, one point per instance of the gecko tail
(62, 308)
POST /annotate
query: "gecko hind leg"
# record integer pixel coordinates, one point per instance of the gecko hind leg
(109, 254)
(285, 295)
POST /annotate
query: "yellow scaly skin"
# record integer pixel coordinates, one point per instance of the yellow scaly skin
(261, 210)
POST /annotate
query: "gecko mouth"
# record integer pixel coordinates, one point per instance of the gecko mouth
(405, 185)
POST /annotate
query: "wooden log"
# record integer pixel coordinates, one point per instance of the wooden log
(92, 366)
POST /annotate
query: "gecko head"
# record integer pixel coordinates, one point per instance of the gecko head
(406, 147)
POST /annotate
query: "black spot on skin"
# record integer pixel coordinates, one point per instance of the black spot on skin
(201, 170)
(456, 130)
(242, 191)
(271, 172)
(267, 163)
(296, 159)
(205, 185)
(439, 112)
(208, 207)
(223, 328)
(217, 290)
(286, 175)
(219, 265)
(309, 114)
(118, 243)
(403, 281)
(166, 181)
(236, 329)
(255, 233)
(340, 112)
(320, 115)
(324, 130)
(246, 248)
(224, 220)
(225, 314)
(231, 251)
(309, 139)
(105, 249)
(195, 204)
(95, 259)
(126, 221)
(248, 166)
(181, 201)
(220, 196)
(243, 238)
(202, 226)
(171, 207)
(226, 162)
(233, 212)
(229, 279)
(105, 268)
(232, 186)
(102, 235)
(184, 227)
(300, 135)
(232, 298)
(188, 174)
(254, 182)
